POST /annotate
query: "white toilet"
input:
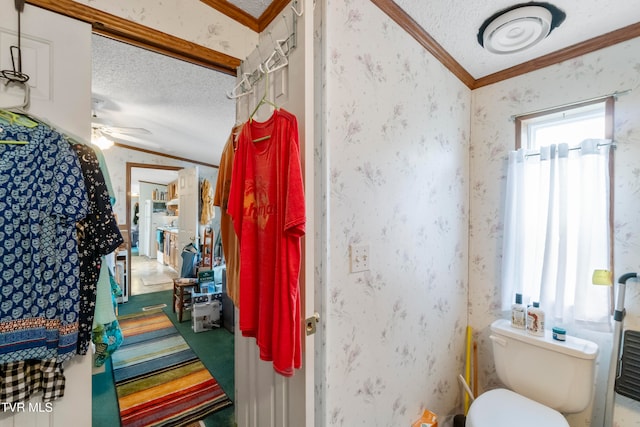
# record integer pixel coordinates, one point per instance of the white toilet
(545, 377)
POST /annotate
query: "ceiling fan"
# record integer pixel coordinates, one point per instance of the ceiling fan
(103, 127)
(104, 134)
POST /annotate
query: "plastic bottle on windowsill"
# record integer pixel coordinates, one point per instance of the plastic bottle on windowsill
(518, 318)
(535, 320)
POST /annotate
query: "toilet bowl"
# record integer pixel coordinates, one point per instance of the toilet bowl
(504, 408)
(544, 378)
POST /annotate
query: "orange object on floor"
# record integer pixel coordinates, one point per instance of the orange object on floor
(428, 419)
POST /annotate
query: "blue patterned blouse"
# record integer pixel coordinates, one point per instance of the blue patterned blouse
(42, 196)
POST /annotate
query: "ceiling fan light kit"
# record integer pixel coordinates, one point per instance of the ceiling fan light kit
(519, 27)
(98, 139)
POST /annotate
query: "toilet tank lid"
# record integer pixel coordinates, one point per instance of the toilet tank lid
(573, 346)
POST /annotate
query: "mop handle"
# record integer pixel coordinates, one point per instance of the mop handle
(618, 316)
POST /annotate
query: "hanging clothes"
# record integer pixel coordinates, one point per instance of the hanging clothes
(107, 334)
(206, 195)
(105, 174)
(136, 213)
(56, 223)
(230, 245)
(42, 194)
(23, 378)
(98, 235)
(266, 203)
(190, 260)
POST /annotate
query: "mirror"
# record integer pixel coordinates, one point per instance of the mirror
(149, 211)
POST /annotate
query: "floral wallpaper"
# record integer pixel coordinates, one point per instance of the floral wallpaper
(600, 73)
(413, 166)
(117, 159)
(396, 154)
(190, 20)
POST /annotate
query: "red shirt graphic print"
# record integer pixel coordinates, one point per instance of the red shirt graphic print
(266, 203)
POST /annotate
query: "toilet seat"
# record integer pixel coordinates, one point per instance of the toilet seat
(504, 408)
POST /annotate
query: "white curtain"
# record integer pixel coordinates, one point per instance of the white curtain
(556, 232)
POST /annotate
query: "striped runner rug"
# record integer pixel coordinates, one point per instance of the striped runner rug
(159, 379)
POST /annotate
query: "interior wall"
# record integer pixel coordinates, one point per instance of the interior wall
(492, 135)
(195, 22)
(117, 157)
(396, 150)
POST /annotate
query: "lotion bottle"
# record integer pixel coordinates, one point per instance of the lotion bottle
(535, 320)
(518, 318)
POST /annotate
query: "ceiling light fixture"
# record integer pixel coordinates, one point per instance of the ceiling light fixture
(101, 141)
(519, 27)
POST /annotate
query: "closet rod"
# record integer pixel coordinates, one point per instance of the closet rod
(615, 95)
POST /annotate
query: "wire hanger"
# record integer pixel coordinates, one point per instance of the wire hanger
(26, 89)
(263, 100)
(15, 76)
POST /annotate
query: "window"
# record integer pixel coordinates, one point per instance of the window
(571, 125)
(557, 227)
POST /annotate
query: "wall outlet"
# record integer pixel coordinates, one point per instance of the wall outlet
(359, 258)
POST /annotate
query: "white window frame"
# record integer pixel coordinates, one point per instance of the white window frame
(526, 124)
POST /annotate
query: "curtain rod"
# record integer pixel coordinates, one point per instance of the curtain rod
(609, 142)
(615, 95)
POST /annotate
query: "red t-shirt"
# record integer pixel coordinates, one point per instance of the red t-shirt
(266, 203)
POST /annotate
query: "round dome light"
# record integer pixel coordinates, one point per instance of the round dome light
(517, 29)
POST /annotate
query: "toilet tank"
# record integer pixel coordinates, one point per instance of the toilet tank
(558, 374)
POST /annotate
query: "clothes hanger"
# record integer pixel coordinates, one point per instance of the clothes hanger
(14, 118)
(244, 85)
(277, 60)
(26, 89)
(263, 100)
(16, 77)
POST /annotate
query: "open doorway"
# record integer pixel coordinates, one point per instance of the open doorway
(142, 146)
(152, 211)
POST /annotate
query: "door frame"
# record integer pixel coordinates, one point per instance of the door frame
(131, 165)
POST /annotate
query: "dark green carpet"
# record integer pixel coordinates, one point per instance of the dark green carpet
(214, 348)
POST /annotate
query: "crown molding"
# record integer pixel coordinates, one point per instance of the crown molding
(161, 154)
(234, 12)
(271, 13)
(138, 35)
(614, 37)
(418, 33)
(256, 24)
(145, 37)
(406, 22)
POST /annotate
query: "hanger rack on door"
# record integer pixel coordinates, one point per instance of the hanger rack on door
(15, 76)
(279, 58)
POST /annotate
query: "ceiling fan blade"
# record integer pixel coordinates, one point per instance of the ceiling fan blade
(112, 130)
(133, 141)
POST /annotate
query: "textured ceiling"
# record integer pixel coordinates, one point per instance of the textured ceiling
(454, 25)
(252, 7)
(183, 106)
(185, 109)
